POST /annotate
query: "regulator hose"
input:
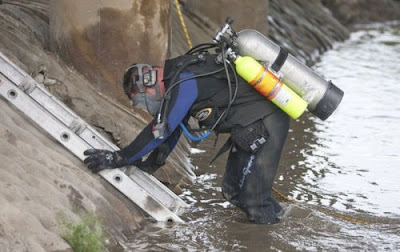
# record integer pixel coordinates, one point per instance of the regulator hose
(194, 138)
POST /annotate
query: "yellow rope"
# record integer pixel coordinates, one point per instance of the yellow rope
(346, 217)
(189, 42)
(283, 197)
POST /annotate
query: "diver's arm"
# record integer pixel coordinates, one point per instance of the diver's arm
(182, 99)
(158, 156)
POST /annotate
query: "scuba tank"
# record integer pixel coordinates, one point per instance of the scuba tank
(270, 85)
(322, 97)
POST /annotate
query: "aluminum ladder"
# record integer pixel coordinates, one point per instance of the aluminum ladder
(20, 89)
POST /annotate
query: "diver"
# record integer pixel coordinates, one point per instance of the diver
(201, 85)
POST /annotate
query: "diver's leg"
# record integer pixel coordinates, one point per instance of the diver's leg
(250, 177)
(230, 182)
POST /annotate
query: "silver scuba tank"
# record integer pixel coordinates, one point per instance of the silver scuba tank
(322, 96)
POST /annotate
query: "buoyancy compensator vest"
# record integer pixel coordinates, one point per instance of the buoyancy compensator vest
(213, 94)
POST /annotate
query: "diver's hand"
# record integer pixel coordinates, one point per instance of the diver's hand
(98, 160)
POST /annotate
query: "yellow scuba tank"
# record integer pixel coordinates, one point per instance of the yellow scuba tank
(270, 85)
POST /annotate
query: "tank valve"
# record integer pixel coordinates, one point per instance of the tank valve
(226, 29)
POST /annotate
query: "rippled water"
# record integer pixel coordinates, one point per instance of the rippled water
(343, 173)
(354, 162)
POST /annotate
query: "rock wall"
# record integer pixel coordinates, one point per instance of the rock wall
(102, 38)
(39, 178)
(41, 181)
(363, 11)
(304, 28)
(250, 14)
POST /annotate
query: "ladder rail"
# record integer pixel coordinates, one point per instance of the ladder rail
(96, 140)
(70, 130)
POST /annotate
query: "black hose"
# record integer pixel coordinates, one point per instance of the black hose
(231, 97)
(201, 47)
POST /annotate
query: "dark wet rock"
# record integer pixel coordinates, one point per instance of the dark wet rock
(363, 11)
(304, 28)
(250, 14)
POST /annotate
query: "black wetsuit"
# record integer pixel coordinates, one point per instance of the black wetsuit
(249, 172)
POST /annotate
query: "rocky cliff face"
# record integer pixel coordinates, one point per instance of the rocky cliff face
(304, 28)
(363, 11)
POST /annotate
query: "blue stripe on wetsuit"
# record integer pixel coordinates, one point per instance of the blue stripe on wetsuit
(187, 95)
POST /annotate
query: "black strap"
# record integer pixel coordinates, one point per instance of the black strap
(227, 145)
(280, 60)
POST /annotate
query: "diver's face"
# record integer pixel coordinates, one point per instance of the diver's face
(146, 102)
(149, 100)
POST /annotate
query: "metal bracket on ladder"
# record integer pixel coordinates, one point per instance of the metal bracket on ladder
(17, 87)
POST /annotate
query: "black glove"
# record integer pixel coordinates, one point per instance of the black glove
(98, 160)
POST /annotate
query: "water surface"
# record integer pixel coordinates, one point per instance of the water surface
(353, 162)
